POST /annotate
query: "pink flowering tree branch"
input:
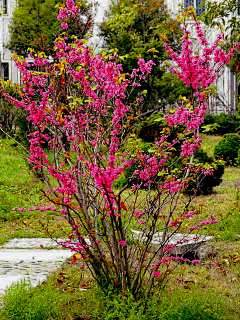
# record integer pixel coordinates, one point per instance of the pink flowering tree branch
(77, 106)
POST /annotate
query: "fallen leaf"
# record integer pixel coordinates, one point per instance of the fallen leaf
(60, 281)
(122, 205)
(76, 257)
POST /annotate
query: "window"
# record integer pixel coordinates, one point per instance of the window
(189, 3)
(196, 4)
(5, 71)
(5, 8)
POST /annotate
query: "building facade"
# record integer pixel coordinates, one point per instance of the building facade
(226, 83)
(8, 70)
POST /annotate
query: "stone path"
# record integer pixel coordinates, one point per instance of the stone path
(29, 258)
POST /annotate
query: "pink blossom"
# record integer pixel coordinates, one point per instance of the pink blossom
(122, 243)
(64, 25)
(137, 213)
(195, 261)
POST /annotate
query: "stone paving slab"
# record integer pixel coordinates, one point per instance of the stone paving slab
(7, 280)
(183, 243)
(34, 264)
(34, 255)
(36, 243)
(33, 243)
(175, 238)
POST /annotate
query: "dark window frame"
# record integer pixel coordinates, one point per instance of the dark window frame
(5, 71)
(5, 6)
(197, 6)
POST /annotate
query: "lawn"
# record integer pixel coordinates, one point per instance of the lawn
(192, 292)
(209, 143)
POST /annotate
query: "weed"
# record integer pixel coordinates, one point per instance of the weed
(21, 302)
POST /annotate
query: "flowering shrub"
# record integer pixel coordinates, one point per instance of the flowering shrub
(79, 100)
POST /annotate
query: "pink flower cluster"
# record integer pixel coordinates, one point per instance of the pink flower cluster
(168, 260)
(122, 243)
(188, 215)
(196, 71)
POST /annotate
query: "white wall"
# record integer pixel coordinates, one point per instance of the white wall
(103, 5)
(5, 54)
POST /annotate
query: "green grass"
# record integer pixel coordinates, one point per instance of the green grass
(209, 143)
(18, 186)
(192, 293)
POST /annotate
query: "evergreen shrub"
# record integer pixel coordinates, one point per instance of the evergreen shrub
(238, 158)
(205, 184)
(227, 148)
(225, 124)
(8, 112)
(150, 128)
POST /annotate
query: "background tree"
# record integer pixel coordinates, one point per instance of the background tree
(8, 112)
(224, 14)
(137, 28)
(35, 25)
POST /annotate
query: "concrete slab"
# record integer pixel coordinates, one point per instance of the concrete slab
(32, 264)
(33, 243)
(183, 243)
(36, 243)
(7, 280)
(34, 255)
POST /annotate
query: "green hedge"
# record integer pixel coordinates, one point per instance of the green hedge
(220, 124)
(227, 148)
(204, 184)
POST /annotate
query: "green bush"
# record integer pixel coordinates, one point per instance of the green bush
(204, 184)
(238, 158)
(148, 131)
(150, 128)
(8, 111)
(227, 148)
(220, 124)
(127, 176)
(23, 128)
